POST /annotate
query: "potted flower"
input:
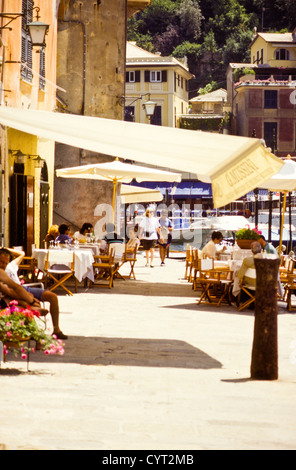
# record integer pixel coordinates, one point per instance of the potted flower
(18, 325)
(245, 236)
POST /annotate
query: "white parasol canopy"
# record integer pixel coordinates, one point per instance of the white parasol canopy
(132, 194)
(118, 172)
(284, 181)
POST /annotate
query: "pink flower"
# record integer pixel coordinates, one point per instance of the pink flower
(8, 323)
(24, 356)
(8, 334)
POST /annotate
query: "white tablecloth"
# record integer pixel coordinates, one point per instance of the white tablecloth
(83, 260)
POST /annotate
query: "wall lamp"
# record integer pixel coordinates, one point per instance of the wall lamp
(20, 158)
(149, 106)
(36, 29)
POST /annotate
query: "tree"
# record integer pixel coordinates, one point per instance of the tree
(190, 17)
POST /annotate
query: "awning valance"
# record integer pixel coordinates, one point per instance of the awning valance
(234, 165)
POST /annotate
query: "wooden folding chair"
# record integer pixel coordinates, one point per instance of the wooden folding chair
(130, 256)
(215, 283)
(195, 268)
(28, 267)
(248, 289)
(188, 263)
(59, 273)
(104, 268)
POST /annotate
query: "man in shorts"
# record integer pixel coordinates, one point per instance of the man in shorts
(39, 294)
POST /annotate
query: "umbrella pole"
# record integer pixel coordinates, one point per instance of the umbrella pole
(282, 223)
(113, 199)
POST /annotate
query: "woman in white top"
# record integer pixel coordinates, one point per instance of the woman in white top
(209, 250)
(149, 231)
(86, 229)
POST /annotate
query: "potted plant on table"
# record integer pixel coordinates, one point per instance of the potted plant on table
(18, 326)
(245, 236)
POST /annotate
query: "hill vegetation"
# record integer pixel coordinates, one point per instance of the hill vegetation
(210, 33)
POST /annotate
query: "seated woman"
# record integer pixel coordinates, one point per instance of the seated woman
(210, 249)
(81, 234)
(64, 234)
(133, 241)
(51, 235)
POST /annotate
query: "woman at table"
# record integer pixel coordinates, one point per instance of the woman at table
(64, 234)
(149, 232)
(86, 229)
(210, 249)
(51, 235)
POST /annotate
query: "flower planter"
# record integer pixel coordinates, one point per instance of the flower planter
(244, 244)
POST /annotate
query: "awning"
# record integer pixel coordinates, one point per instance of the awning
(183, 190)
(234, 165)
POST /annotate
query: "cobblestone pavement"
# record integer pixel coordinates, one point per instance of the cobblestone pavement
(146, 368)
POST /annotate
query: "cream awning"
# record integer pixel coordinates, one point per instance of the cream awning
(234, 165)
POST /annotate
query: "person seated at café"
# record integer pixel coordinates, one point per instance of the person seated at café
(87, 228)
(111, 235)
(210, 249)
(133, 238)
(40, 294)
(51, 235)
(247, 272)
(64, 234)
(267, 247)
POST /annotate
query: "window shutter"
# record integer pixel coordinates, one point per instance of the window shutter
(164, 76)
(147, 75)
(137, 76)
(127, 77)
(42, 69)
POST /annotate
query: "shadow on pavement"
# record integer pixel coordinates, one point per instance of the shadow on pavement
(137, 352)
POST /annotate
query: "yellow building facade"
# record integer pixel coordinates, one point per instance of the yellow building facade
(165, 79)
(28, 76)
(263, 97)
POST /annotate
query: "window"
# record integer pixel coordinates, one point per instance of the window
(155, 76)
(270, 134)
(156, 118)
(129, 113)
(270, 99)
(132, 76)
(26, 57)
(282, 54)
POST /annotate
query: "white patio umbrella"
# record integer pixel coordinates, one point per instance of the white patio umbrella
(284, 181)
(118, 172)
(132, 194)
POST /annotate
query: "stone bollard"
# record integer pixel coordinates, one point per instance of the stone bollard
(264, 365)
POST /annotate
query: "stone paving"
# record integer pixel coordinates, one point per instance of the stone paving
(145, 368)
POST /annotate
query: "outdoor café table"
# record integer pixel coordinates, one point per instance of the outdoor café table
(94, 247)
(84, 260)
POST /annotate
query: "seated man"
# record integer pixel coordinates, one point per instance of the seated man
(247, 272)
(210, 249)
(267, 247)
(114, 241)
(39, 294)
